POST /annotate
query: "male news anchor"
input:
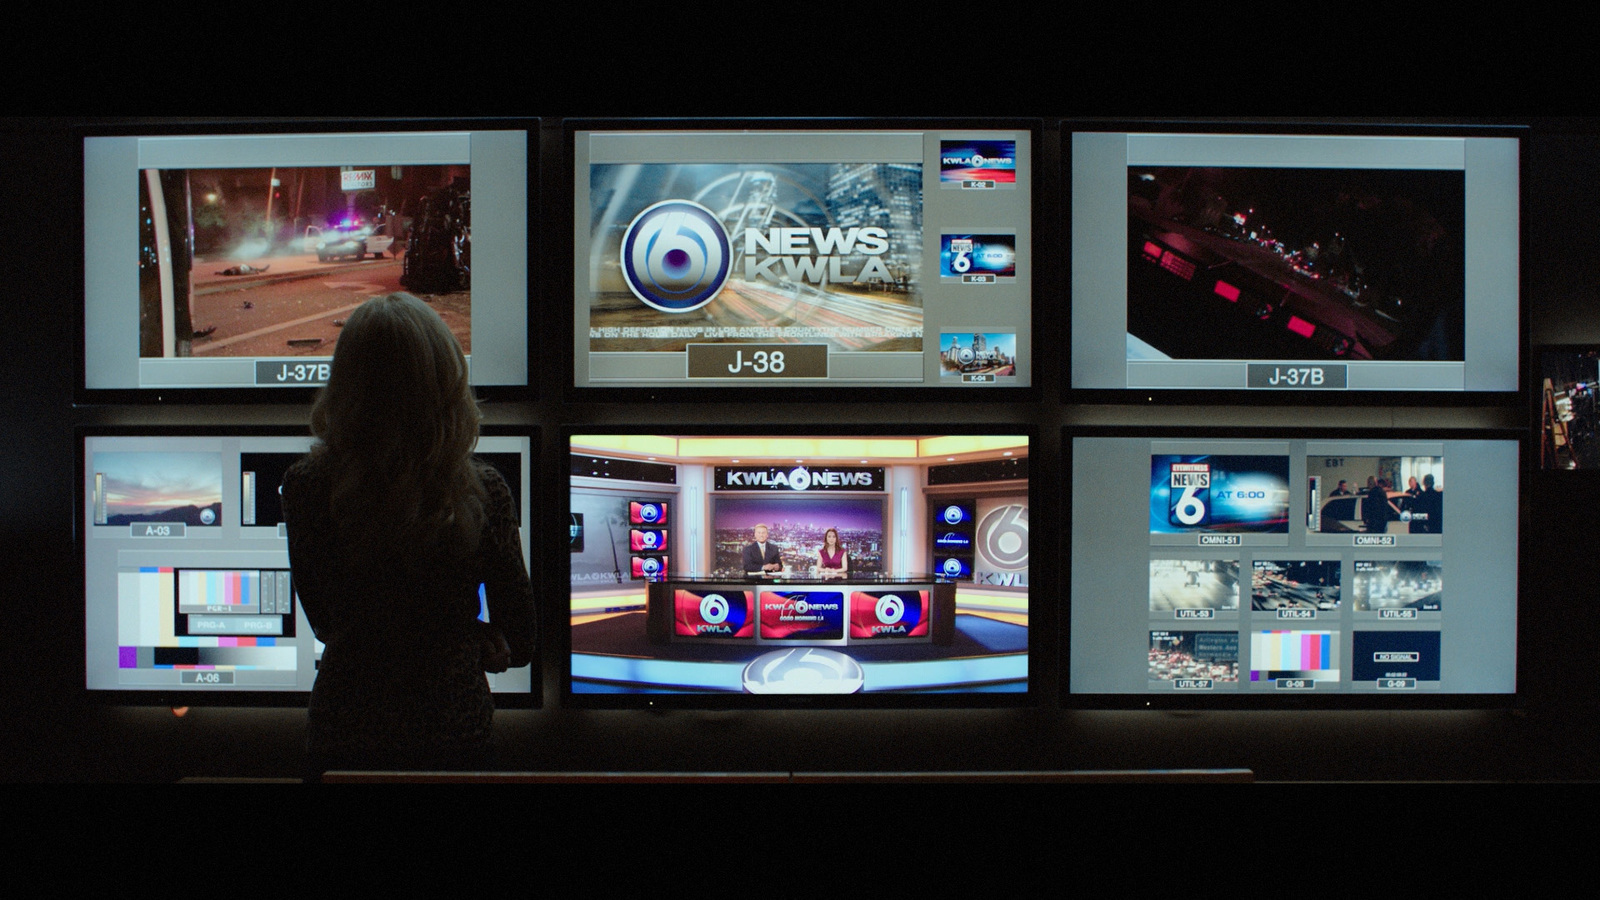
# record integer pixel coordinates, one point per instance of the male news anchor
(760, 555)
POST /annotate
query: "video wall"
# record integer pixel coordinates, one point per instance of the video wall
(188, 587)
(729, 568)
(897, 257)
(1214, 568)
(821, 268)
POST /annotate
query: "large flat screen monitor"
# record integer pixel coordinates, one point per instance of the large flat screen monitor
(188, 594)
(1289, 569)
(803, 255)
(1278, 266)
(823, 568)
(220, 264)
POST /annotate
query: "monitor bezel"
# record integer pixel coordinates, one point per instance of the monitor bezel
(564, 294)
(533, 698)
(1150, 397)
(1253, 700)
(1041, 614)
(83, 395)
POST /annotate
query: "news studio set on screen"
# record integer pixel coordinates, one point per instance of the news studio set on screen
(220, 265)
(1262, 568)
(838, 568)
(807, 257)
(188, 592)
(1271, 266)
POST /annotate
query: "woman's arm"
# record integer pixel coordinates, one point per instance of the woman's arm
(307, 527)
(506, 586)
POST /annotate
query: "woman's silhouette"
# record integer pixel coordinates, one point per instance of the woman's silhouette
(392, 527)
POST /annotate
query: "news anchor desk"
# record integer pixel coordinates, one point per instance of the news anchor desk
(801, 609)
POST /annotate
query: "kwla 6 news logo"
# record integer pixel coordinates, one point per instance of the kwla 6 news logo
(888, 615)
(712, 615)
(676, 256)
(647, 540)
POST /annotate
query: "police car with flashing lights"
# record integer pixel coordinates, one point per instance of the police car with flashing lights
(351, 241)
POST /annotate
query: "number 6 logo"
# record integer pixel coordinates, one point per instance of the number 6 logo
(676, 256)
(1188, 493)
(714, 609)
(890, 609)
(1189, 509)
(1003, 537)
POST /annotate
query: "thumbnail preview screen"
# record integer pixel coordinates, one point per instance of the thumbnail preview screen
(233, 260)
(1297, 593)
(1288, 262)
(1219, 493)
(187, 580)
(799, 258)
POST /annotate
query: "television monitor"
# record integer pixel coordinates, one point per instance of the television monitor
(1247, 262)
(803, 256)
(747, 610)
(220, 261)
(188, 594)
(1564, 388)
(1264, 568)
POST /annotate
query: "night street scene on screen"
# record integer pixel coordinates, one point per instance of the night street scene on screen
(1398, 584)
(1278, 584)
(1177, 655)
(1295, 263)
(277, 258)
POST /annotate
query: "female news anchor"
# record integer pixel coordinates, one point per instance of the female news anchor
(392, 526)
(832, 557)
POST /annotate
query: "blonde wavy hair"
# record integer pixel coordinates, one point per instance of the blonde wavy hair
(396, 425)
